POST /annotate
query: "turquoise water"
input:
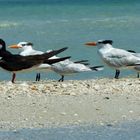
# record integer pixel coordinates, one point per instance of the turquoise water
(124, 131)
(58, 23)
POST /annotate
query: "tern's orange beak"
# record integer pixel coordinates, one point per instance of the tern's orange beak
(14, 46)
(91, 44)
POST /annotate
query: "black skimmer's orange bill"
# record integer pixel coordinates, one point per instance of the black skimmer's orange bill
(15, 63)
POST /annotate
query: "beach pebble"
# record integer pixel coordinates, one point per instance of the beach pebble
(15, 131)
(25, 84)
(124, 116)
(106, 98)
(33, 88)
(26, 119)
(131, 111)
(64, 85)
(73, 94)
(102, 124)
(79, 121)
(97, 87)
(109, 125)
(63, 113)
(75, 114)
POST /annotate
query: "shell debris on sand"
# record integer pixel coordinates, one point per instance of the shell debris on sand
(28, 104)
(124, 85)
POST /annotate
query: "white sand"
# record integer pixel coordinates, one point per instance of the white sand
(50, 103)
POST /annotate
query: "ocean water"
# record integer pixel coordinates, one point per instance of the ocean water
(53, 24)
(123, 131)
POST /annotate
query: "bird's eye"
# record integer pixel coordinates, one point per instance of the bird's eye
(23, 44)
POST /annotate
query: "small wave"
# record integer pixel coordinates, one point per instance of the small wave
(8, 24)
(124, 19)
(64, 20)
(60, 20)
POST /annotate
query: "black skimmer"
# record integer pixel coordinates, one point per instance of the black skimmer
(115, 58)
(63, 68)
(16, 63)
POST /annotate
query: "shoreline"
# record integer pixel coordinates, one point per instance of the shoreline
(45, 104)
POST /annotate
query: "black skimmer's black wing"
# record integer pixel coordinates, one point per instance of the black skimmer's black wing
(22, 63)
(12, 62)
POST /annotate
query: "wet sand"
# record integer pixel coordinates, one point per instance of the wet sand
(44, 104)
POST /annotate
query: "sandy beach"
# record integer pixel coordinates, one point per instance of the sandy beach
(51, 103)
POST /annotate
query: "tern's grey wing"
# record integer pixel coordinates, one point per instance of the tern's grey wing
(120, 58)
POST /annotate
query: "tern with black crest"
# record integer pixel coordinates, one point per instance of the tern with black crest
(115, 58)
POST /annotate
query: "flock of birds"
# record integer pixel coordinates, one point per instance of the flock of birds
(30, 59)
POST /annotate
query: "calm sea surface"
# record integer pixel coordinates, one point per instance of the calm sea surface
(53, 24)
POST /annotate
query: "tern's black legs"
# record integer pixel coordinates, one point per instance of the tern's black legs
(13, 78)
(38, 77)
(117, 74)
(61, 79)
(138, 76)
